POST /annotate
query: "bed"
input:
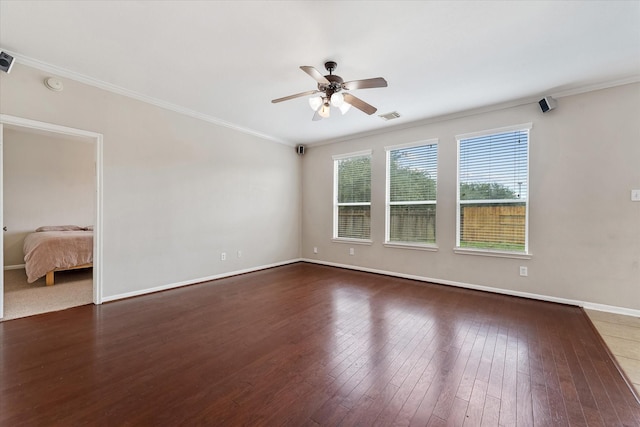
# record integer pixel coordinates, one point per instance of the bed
(57, 248)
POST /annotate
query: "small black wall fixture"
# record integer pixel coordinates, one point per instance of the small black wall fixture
(547, 103)
(6, 62)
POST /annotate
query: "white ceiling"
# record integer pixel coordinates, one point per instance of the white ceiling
(226, 60)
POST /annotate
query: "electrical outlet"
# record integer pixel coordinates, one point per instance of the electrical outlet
(635, 195)
(223, 256)
(523, 271)
(315, 250)
(352, 251)
(239, 254)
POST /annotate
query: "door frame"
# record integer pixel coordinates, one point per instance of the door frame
(92, 137)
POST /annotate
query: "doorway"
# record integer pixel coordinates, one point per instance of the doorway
(15, 125)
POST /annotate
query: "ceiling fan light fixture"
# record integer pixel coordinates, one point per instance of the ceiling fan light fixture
(325, 111)
(337, 99)
(315, 102)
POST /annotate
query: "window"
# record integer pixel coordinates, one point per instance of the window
(352, 196)
(412, 172)
(493, 190)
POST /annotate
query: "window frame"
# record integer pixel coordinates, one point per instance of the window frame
(388, 203)
(525, 254)
(336, 205)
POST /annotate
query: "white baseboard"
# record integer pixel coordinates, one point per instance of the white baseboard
(13, 267)
(611, 309)
(194, 281)
(585, 304)
(588, 305)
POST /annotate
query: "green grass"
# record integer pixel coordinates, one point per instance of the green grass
(501, 246)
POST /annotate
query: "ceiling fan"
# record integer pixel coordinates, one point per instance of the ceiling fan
(330, 86)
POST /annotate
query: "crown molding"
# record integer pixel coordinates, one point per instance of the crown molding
(597, 86)
(485, 109)
(63, 72)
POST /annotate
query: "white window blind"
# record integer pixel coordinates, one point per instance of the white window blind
(493, 190)
(411, 193)
(352, 195)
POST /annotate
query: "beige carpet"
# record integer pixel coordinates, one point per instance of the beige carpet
(72, 288)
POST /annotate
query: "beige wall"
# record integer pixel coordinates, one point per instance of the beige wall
(47, 181)
(177, 191)
(584, 230)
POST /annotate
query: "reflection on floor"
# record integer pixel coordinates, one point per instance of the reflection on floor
(622, 336)
(72, 288)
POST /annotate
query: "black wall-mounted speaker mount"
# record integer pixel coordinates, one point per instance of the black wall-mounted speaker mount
(547, 103)
(6, 62)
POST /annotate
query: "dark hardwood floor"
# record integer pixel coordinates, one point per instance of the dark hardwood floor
(308, 345)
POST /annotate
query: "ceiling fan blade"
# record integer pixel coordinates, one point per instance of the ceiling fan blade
(297, 95)
(317, 75)
(359, 104)
(316, 116)
(365, 84)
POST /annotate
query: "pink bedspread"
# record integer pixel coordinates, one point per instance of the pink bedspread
(47, 250)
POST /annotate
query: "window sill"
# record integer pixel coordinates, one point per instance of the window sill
(489, 253)
(413, 246)
(366, 242)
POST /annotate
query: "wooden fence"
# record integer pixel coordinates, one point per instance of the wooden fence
(355, 223)
(493, 223)
(413, 224)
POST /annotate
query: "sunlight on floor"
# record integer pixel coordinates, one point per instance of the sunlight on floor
(622, 336)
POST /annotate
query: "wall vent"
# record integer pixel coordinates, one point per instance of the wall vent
(390, 116)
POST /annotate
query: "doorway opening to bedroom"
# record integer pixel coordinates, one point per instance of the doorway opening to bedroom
(50, 214)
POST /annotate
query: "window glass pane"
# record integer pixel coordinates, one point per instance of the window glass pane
(499, 226)
(412, 178)
(494, 167)
(412, 223)
(354, 222)
(354, 180)
(493, 173)
(412, 173)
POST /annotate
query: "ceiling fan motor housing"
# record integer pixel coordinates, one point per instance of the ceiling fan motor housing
(334, 86)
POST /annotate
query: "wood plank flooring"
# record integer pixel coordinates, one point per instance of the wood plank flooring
(309, 345)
